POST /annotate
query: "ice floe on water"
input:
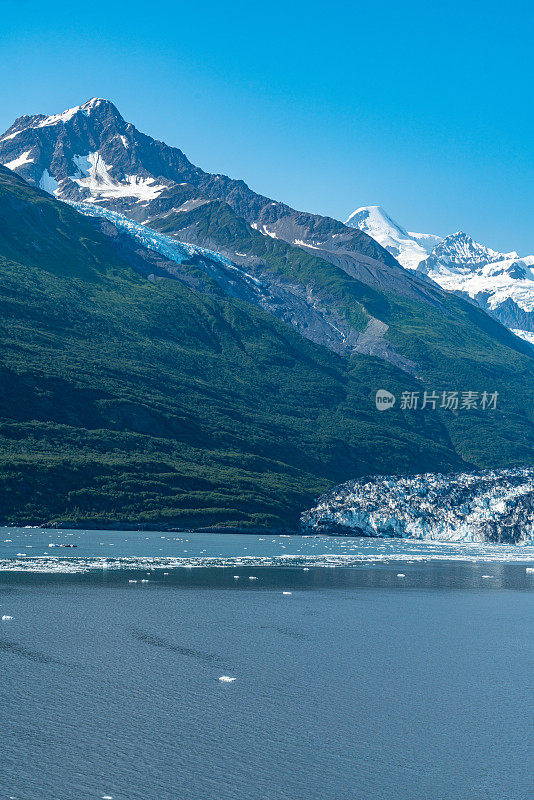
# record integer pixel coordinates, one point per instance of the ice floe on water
(243, 555)
(226, 679)
(57, 564)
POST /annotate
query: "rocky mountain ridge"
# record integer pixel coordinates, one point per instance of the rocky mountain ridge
(90, 154)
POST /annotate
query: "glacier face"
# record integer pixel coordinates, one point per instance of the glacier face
(492, 506)
(501, 283)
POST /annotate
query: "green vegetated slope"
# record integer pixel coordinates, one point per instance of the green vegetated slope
(127, 402)
(455, 345)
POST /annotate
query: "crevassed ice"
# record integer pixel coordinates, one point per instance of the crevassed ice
(158, 242)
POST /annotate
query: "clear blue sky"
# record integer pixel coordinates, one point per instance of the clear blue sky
(424, 108)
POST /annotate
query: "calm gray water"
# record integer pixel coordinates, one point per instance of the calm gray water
(360, 684)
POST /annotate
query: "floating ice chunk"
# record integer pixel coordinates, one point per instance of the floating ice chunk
(107, 797)
(236, 577)
(286, 592)
(487, 576)
(252, 578)
(165, 573)
(132, 581)
(401, 575)
(305, 569)
(226, 679)
(21, 554)
(6, 617)
(530, 569)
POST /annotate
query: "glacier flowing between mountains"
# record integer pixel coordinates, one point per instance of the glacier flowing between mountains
(151, 239)
(493, 506)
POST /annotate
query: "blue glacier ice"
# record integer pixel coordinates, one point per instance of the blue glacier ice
(158, 242)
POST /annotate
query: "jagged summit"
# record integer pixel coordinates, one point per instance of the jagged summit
(94, 106)
(460, 252)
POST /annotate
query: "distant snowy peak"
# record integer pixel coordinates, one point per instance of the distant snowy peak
(459, 252)
(501, 283)
(408, 248)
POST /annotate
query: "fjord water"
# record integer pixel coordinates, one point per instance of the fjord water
(361, 683)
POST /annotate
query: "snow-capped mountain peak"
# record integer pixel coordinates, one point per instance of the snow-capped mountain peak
(87, 153)
(408, 248)
(377, 219)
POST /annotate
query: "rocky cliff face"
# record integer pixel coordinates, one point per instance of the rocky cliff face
(493, 506)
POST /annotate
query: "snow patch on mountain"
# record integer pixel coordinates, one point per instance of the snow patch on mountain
(24, 158)
(528, 336)
(94, 174)
(9, 136)
(496, 506)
